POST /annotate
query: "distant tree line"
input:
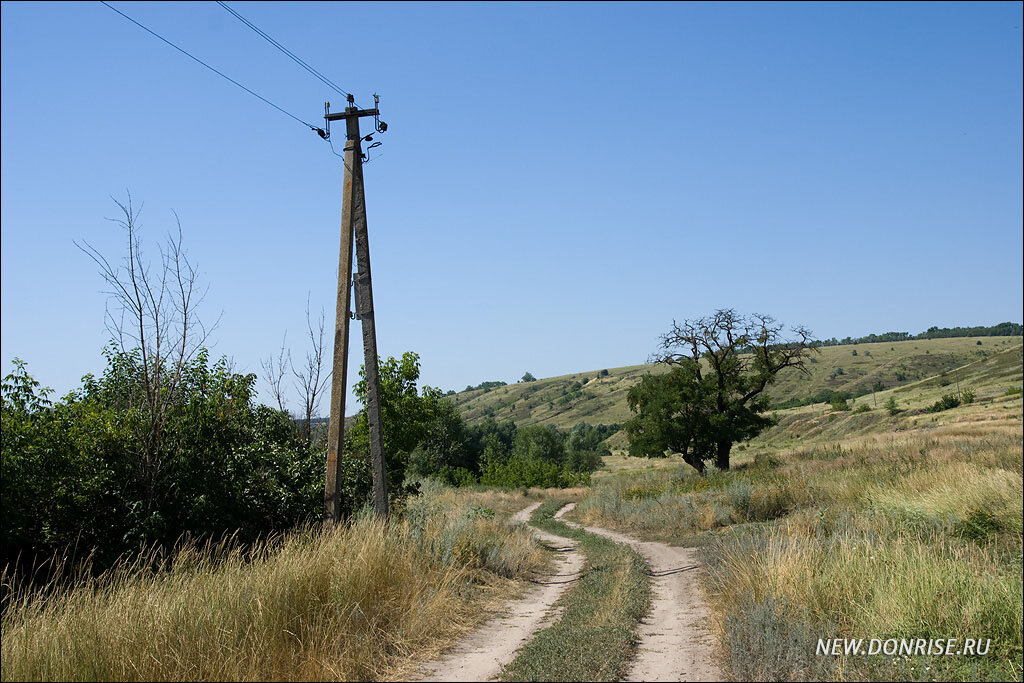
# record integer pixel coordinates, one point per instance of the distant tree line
(486, 386)
(1001, 330)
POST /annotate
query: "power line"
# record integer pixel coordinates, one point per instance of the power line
(222, 75)
(323, 79)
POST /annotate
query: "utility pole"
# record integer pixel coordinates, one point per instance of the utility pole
(353, 229)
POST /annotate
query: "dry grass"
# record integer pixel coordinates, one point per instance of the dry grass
(349, 603)
(504, 502)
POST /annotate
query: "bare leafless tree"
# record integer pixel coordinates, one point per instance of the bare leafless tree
(151, 314)
(756, 344)
(311, 380)
(274, 370)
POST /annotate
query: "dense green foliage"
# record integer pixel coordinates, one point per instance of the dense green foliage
(501, 454)
(947, 402)
(87, 472)
(94, 473)
(839, 402)
(677, 412)
(421, 428)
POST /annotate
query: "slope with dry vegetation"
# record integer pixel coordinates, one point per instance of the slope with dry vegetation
(599, 396)
(888, 523)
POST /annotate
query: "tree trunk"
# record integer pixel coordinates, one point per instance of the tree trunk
(694, 461)
(722, 461)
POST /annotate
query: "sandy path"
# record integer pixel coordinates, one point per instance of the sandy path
(482, 653)
(675, 644)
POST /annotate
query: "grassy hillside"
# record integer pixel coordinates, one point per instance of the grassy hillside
(596, 397)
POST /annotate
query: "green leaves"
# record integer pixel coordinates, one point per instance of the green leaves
(86, 473)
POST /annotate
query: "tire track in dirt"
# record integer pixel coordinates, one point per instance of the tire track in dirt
(675, 644)
(480, 655)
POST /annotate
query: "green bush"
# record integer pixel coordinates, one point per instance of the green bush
(978, 525)
(92, 472)
(968, 396)
(456, 476)
(862, 408)
(892, 406)
(533, 473)
(945, 403)
(839, 402)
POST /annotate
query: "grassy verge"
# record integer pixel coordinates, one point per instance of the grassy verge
(916, 534)
(349, 603)
(596, 635)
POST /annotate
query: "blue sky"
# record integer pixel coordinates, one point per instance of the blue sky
(559, 181)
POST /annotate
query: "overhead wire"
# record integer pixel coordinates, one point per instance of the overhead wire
(323, 79)
(219, 73)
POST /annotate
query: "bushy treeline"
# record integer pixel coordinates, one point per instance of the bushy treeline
(105, 471)
(486, 386)
(1001, 330)
(99, 472)
(102, 472)
(823, 396)
(501, 454)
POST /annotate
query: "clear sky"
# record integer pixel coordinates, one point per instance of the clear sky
(559, 180)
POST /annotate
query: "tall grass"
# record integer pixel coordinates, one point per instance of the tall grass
(346, 603)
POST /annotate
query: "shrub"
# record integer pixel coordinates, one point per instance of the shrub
(536, 473)
(769, 639)
(839, 402)
(978, 525)
(737, 495)
(945, 403)
(455, 476)
(862, 408)
(968, 396)
(892, 406)
(642, 492)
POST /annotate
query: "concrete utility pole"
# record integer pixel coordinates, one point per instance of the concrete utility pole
(353, 228)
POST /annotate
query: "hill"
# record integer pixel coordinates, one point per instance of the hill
(599, 396)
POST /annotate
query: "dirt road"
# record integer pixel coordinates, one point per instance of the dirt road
(481, 654)
(675, 644)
